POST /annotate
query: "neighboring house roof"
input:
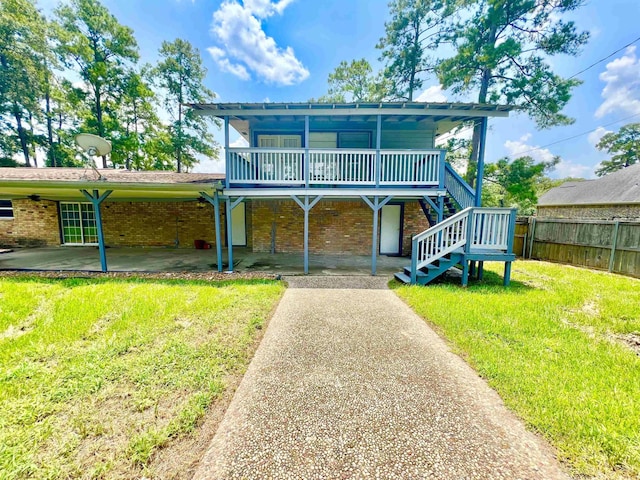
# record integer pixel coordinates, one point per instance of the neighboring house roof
(621, 187)
(66, 183)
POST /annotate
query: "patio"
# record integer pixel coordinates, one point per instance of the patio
(189, 260)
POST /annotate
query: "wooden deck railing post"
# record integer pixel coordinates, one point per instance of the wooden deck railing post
(378, 165)
(227, 155)
(306, 164)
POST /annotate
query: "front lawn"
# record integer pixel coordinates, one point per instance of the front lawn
(559, 347)
(110, 378)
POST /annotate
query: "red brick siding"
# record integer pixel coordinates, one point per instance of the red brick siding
(334, 226)
(33, 224)
(158, 224)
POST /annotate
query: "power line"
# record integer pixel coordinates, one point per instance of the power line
(519, 154)
(603, 59)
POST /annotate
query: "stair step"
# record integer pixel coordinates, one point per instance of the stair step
(402, 277)
(407, 271)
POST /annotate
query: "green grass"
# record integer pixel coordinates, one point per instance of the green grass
(550, 346)
(98, 375)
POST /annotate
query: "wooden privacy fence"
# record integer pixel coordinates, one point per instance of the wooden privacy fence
(599, 244)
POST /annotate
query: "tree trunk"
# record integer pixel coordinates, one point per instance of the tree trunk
(51, 153)
(99, 119)
(33, 141)
(22, 135)
(472, 168)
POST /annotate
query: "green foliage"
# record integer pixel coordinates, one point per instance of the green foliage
(92, 42)
(623, 146)
(515, 183)
(41, 110)
(22, 51)
(550, 346)
(501, 49)
(355, 82)
(414, 30)
(180, 75)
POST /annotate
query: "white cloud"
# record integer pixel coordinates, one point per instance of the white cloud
(595, 136)
(432, 94)
(266, 8)
(225, 64)
(239, 142)
(622, 90)
(244, 46)
(566, 168)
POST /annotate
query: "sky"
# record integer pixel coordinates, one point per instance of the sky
(284, 50)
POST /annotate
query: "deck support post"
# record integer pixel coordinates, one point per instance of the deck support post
(230, 205)
(507, 274)
(435, 207)
(480, 169)
(440, 208)
(375, 205)
(96, 200)
(215, 201)
(306, 206)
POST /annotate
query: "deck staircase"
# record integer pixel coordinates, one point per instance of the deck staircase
(473, 234)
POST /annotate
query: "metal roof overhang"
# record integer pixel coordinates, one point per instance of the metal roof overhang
(445, 116)
(129, 191)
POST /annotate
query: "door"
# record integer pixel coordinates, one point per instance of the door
(78, 224)
(390, 222)
(239, 225)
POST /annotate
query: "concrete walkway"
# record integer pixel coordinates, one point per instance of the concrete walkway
(350, 383)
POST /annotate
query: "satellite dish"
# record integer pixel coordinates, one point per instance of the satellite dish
(93, 144)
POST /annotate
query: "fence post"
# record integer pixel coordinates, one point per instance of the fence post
(533, 233)
(614, 244)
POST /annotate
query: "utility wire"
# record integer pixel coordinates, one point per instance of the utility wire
(603, 59)
(519, 154)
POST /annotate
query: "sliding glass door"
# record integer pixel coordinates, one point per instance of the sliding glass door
(78, 224)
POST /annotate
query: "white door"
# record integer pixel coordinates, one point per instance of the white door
(239, 225)
(390, 229)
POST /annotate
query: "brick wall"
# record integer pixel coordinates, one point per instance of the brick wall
(605, 212)
(158, 224)
(33, 224)
(334, 226)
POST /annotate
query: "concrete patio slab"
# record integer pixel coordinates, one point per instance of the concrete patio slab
(191, 260)
(350, 383)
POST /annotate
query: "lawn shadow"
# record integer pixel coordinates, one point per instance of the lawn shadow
(78, 279)
(491, 283)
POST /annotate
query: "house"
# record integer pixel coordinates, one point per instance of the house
(322, 178)
(615, 196)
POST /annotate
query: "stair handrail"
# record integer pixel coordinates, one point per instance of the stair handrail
(460, 190)
(439, 240)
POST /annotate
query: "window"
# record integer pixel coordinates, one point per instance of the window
(279, 141)
(78, 224)
(6, 209)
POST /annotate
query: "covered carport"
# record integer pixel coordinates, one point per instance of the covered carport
(96, 186)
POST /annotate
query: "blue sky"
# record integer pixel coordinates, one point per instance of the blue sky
(283, 50)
